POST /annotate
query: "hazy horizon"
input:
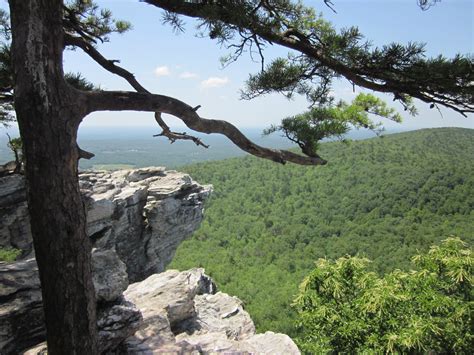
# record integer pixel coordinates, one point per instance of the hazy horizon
(127, 147)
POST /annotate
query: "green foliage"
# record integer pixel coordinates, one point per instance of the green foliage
(382, 198)
(9, 254)
(79, 82)
(322, 53)
(344, 308)
(16, 146)
(309, 128)
(87, 20)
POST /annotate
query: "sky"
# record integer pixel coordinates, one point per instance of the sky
(187, 67)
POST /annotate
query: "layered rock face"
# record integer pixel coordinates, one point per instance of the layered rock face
(183, 314)
(21, 312)
(142, 214)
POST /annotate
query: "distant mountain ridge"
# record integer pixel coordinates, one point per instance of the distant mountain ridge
(384, 198)
(135, 147)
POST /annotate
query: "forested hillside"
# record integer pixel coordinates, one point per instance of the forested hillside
(382, 198)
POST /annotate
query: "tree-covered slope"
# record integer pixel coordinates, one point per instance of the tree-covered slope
(382, 198)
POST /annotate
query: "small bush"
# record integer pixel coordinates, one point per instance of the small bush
(9, 254)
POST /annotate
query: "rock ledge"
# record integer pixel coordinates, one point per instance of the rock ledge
(142, 214)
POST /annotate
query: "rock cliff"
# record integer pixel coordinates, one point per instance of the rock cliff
(181, 313)
(142, 214)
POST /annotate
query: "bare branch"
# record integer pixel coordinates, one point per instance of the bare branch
(110, 66)
(174, 136)
(84, 154)
(330, 4)
(120, 100)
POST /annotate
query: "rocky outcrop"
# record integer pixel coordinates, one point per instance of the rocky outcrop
(143, 215)
(172, 312)
(136, 220)
(182, 313)
(21, 313)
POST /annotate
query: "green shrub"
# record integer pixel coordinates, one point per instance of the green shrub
(343, 308)
(9, 254)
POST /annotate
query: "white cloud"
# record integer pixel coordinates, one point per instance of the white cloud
(214, 82)
(162, 71)
(188, 75)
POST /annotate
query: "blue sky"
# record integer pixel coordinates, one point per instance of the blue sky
(188, 67)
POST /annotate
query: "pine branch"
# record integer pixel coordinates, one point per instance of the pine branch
(145, 101)
(122, 101)
(394, 69)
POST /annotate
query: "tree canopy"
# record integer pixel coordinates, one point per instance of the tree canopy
(385, 199)
(343, 308)
(320, 53)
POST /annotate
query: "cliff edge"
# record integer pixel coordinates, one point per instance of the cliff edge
(136, 220)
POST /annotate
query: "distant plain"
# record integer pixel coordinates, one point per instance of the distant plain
(135, 147)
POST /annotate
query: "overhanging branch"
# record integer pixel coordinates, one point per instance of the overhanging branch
(386, 81)
(122, 100)
(110, 66)
(143, 100)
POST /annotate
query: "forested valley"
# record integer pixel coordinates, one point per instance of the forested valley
(384, 198)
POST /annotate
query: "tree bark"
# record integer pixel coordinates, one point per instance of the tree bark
(48, 114)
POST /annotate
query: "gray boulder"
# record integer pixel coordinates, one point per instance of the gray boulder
(170, 294)
(183, 314)
(109, 275)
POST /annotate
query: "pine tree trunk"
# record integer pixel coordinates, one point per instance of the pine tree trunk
(48, 113)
